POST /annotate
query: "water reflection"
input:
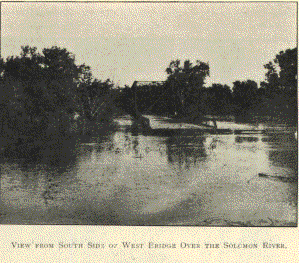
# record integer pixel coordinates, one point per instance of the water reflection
(282, 150)
(125, 178)
(286, 158)
(240, 139)
(183, 151)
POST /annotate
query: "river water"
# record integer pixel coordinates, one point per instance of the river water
(125, 178)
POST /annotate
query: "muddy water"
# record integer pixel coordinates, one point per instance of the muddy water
(132, 179)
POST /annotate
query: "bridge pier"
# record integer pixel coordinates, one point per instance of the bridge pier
(141, 122)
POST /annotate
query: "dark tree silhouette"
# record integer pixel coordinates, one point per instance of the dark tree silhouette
(280, 86)
(282, 73)
(183, 81)
(41, 90)
(244, 96)
(219, 99)
(91, 92)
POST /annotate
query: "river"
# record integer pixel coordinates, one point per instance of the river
(125, 178)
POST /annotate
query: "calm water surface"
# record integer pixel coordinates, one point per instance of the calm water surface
(132, 179)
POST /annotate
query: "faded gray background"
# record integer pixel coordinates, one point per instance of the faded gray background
(137, 41)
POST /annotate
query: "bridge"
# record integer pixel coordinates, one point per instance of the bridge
(145, 119)
(149, 86)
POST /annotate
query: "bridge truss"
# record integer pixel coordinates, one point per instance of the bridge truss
(161, 87)
(149, 86)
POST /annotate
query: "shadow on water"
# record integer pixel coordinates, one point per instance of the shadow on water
(60, 154)
(137, 177)
(185, 150)
(240, 139)
(268, 120)
(56, 154)
(283, 150)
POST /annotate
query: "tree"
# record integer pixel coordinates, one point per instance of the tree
(62, 75)
(244, 96)
(125, 100)
(22, 81)
(219, 98)
(280, 86)
(44, 81)
(282, 73)
(183, 81)
(40, 87)
(288, 63)
(92, 92)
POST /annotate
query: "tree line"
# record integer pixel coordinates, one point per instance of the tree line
(41, 93)
(184, 93)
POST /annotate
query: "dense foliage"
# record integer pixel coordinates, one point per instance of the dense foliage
(184, 93)
(43, 91)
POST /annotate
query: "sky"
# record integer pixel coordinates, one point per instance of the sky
(137, 41)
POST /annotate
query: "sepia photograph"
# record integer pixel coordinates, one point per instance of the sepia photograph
(149, 114)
